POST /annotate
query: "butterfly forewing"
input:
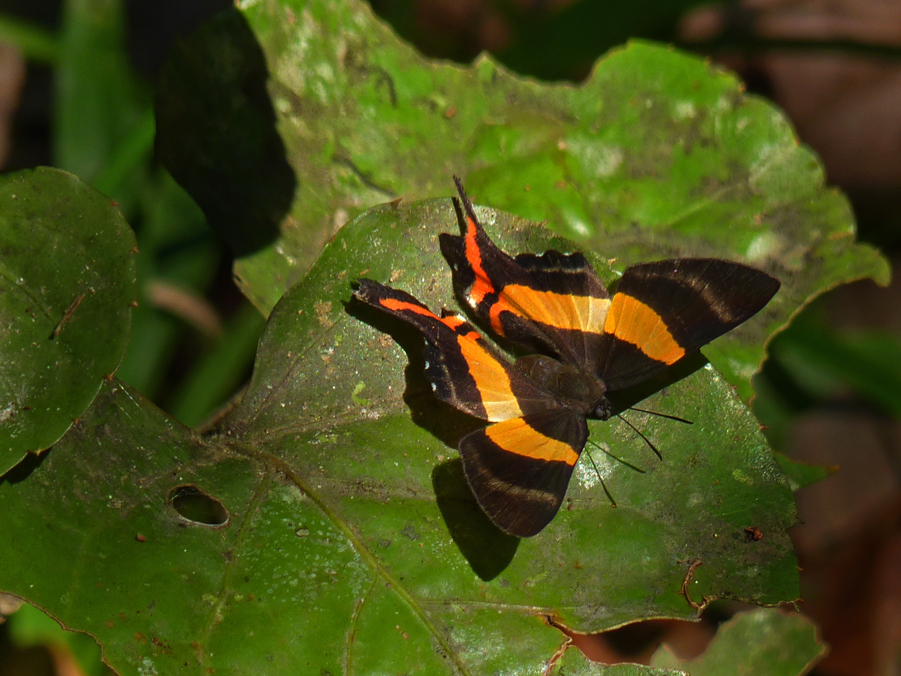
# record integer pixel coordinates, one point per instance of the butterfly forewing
(553, 302)
(664, 310)
(464, 370)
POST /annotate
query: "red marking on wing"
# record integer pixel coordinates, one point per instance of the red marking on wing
(400, 306)
(453, 322)
(482, 286)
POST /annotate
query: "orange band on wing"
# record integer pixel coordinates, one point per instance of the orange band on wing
(450, 321)
(491, 379)
(562, 311)
(517, 436)
(482, 286)
(634, 322)
(453, 321)
(400, 306)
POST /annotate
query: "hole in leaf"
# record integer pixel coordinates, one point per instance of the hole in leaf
(197, 505)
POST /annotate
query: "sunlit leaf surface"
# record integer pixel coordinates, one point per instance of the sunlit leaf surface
(326, 524)
(656, 155)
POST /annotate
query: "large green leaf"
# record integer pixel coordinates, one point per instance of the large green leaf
(68, 284)
(335, 531)
(657, 154)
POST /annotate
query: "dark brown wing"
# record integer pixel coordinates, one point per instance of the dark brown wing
(464, 370)
(553, 302)
(519, 469)
(664, 310)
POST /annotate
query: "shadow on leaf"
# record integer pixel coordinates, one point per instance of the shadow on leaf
(25, 468)
(487, 549)
(433, 415)
(216, 133)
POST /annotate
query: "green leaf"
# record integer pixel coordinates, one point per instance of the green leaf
(574, 663)
(335, 530)
(800, 474)
(812, 363)
(29, 627)
(763, 642)
(102, 126)
(657, 154)
(68, 271)
(32, 39)
(824, 361)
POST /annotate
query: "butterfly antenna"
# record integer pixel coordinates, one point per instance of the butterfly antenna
(617, 458)
(662, 415)
(603, 483)
(638, 432)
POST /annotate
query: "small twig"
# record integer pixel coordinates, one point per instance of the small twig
(66, 315)
(687, 581)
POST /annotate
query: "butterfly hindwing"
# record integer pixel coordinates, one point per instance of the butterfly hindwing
(553, 302)
(664, 310)
(519, 469)
(464, 370)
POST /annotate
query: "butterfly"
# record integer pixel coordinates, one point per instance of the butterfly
(582, 344)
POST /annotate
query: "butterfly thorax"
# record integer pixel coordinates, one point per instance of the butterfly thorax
(571, 387)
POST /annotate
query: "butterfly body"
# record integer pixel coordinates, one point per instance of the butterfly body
(583, 343)
(570, 386)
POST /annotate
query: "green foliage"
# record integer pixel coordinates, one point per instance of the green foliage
(812, 363)
(68, 274)
(335, 531)
(656, 154)
(763, 641)
(360, 515)
(34, 41)
(104, 133)
(31, 627)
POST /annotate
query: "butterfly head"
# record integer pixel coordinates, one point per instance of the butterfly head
(603, 410)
